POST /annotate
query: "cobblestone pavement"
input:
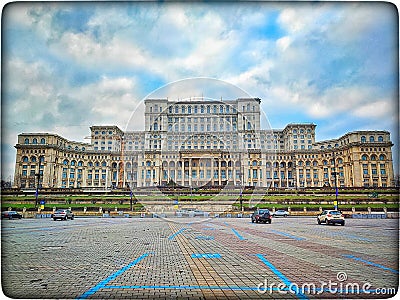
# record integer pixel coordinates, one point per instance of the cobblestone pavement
(196, 258)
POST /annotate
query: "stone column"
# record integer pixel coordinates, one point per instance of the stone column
(219, 171)
(190, 172)
(183, 173)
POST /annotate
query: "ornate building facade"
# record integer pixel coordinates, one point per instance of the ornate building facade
(204, 143)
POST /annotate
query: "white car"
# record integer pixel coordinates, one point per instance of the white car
(331, 217)
(280, 213)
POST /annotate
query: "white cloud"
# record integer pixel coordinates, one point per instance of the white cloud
(283, 43)
(382, 108)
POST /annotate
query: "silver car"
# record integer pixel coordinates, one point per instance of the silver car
(280, 213)
(63, 214)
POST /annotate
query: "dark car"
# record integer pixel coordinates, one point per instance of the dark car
(10, 215)
(62, 214)
(261, 216)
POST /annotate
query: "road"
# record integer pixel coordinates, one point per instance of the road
(198, 258)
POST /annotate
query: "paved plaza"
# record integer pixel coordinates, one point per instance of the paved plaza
(199, 258)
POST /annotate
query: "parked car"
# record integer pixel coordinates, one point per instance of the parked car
(63, 214)
(261, 216)
(331, 217)
(280, 213)
(10, 215)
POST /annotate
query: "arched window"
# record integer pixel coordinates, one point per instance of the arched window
(104, 164)
(382, 157)
(248, 125)
(43, 141)
(128, 165)
(380, 138)
(371, 139)
(363, 139)
(34, 141)
(340, 161)
(73, 163)
(170, 109)
(183, 109)
(83, 148)
(33, 159)
(90, 164)
(155, 126)
(189, 109)
(148, 163)
(208, 109)
(202, 109)
(195, 109)
(41, 158)
(26, 141)
(176, 109)
(65, 162)
(80, 163)
(221, 109)
(373, 157)
(254, 163)
(76, 148)
(364, 157)
(25, 159)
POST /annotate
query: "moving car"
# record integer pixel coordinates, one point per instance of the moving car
(331, 217)
(10, 215)
(261, 216)
(62, 214)
(280, 213)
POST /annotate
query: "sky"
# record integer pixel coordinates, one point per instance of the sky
(68, 66)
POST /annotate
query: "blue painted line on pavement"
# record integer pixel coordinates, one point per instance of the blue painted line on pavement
(282, 277)
(371, 263)
(206, 255)
(238, 234)
(288, 235)
(176, 233)
(104, 282)
(204, 237)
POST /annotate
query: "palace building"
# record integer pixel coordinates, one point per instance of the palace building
(204, 143)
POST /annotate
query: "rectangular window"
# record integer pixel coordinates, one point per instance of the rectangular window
(223, 174)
